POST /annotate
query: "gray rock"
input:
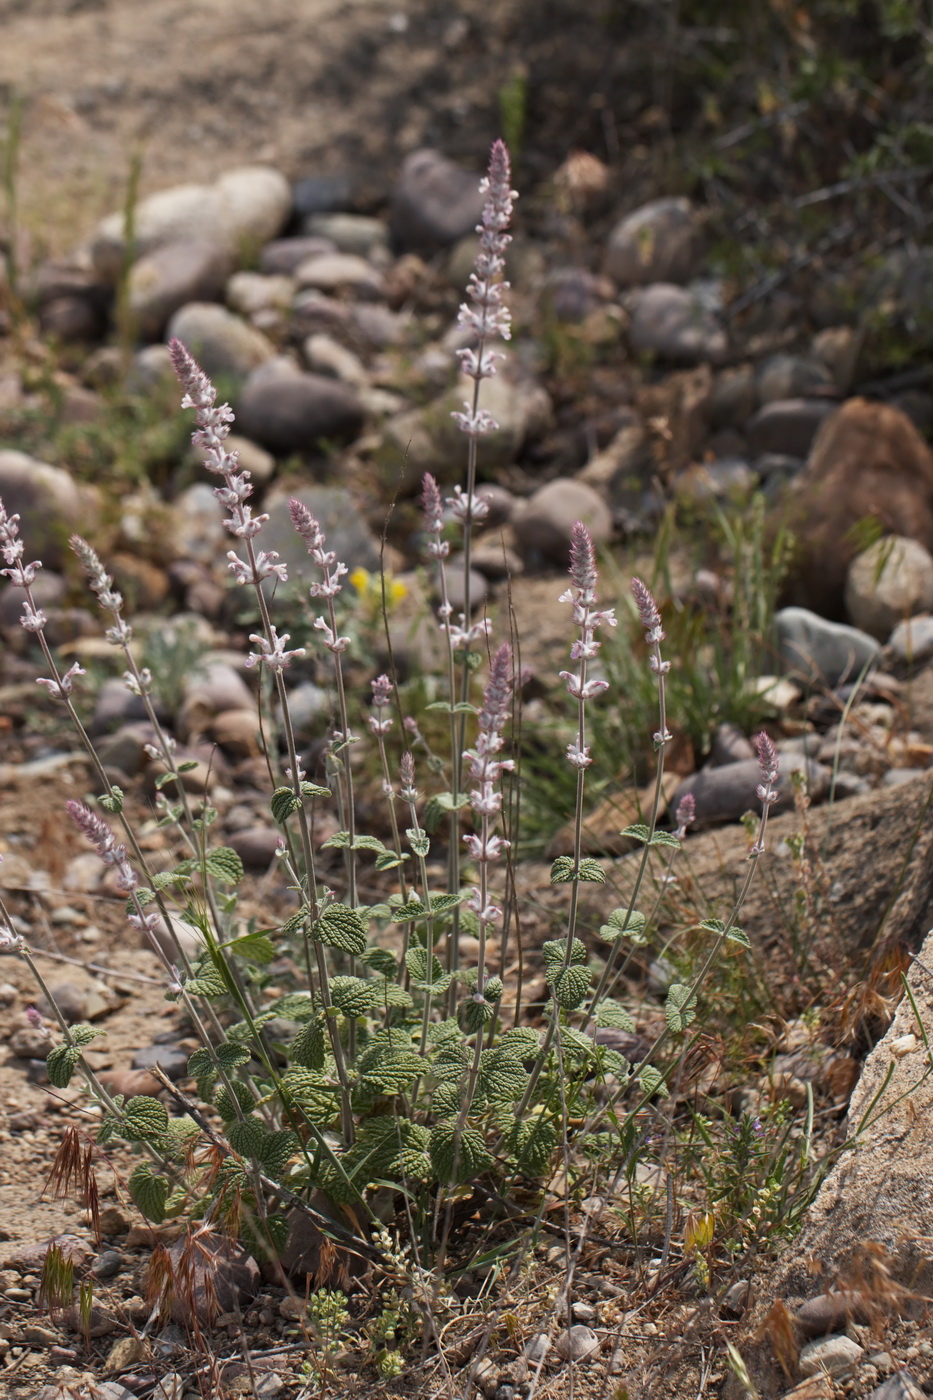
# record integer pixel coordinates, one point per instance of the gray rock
(434, 203)
(283, 256)
(576, 1343)
(787, 426)
(377, 326)
(821, 652)
(222, 1275)
(318, 194)
(50, 505)
(721, 480)
(725, 794)
(248, 205)
(70, 999)
(456, 591)
(837, 347)
(288, 411)
(253, 293)
(114, 706)
(197, 529)
(310, 707)
(734, 397)
(835, 1355)
(730, 745)
(71, 319)
(571, 293)
(900, 1386)
(324, 355)
(151, 369)
(829, 1312)
(896, 777)
(543, 524)
(429, 438)
(216, 687)
(256, 846)
(912, 640)
(676, 323)
(182, 938)
(335, 272)
(340, 518)
(502, 504)
(660, 242)
(349, 233)
(172, 1061)
(222, 344)
(108, 1263)
(791, 377)
(889, 581)
(125, 751)
(163, 281)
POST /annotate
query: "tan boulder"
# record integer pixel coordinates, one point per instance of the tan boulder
(868, 463)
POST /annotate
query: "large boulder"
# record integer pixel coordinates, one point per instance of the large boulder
(162, 281)
(887, 583)
(660, 242)
(868, 463)
(286, 410)
(51, 506)
(434, 204)
(223, 344)
(242, 210)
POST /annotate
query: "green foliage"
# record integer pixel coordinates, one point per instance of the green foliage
(61, 1062)
(149, 1191)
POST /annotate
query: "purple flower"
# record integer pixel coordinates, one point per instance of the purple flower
(685, 815)
(767, 770)
(104, 842)
(272, 653)
(379, 722)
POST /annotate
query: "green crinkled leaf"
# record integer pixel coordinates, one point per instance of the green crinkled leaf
(476, 1012)
(414, 911)
(521, 1041)
(309, 1048)
(637, 832)
(577, 1045)
(227, 1056)
(297, 1006)
(418, 840)
(571, 987)
(738, 935)
(389, 860)
(610, 1013)
(393, 1073)
(502, 1076)
(165, 879)
(149, 1192)
(564, 872)
(447, 1099)
(618, 926)
(343, 841)
(341, 927)
(225, 1105)
(144, 1119)
(246, 1134)
(532, 1143)
(713, 926)
(312, 1092)
(454, 1163)
(427, 972)
(355, 996)
(651, 1081)
(112, 801)
(207, 980)
(309, 789)
(413, 1165)
(223, 863)
(275, 1149)
(381, 961)
(461, 707)
(592, 872)
(60, 1064)
(452, 1059)
(553, 953)
(666, 838)
(284, 802)
(677, 1012)
(252, 947)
